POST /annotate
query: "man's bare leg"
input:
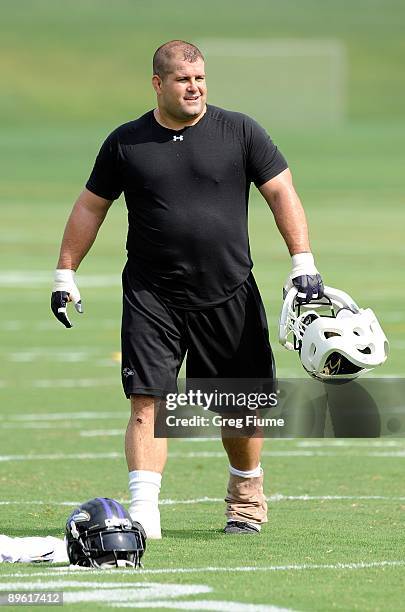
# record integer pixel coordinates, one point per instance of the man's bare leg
(142, 450)
(146, 458)
(243, 453)
(246, 505)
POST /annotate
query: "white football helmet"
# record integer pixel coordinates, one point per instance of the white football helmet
(344, 343)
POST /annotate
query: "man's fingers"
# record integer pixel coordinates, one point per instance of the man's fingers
(63, 318)
(309, 287)
(79, 306)
(321, 288)
(59, 300)
(305, 289)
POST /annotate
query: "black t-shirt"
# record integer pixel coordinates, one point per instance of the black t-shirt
(187, 197)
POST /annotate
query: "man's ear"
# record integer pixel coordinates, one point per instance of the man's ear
(157, 83)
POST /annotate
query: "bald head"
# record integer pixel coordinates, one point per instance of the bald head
(165, 56)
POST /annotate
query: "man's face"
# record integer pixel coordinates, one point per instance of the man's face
(182, 93)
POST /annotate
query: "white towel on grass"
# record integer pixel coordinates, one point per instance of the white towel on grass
(32, 550)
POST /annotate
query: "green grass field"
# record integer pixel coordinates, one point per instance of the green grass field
(335, 536)
(342, 553)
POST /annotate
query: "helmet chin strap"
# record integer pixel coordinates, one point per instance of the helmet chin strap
(114, 563)
(124, 563)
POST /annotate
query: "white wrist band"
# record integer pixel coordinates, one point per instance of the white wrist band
(63, 279)
(302, 264)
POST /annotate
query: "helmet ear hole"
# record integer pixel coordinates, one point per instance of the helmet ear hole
(366, 350)
(331, 334)
(312, 350)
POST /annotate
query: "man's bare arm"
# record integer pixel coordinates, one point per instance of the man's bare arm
(290, 218)
(81, 229)
(288, 212)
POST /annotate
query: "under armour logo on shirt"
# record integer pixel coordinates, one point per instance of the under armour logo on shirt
(177, 138)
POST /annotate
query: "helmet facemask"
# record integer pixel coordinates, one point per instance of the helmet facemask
(112, 548)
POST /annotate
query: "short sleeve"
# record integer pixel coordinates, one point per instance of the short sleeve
(264, 160)
(104, 179)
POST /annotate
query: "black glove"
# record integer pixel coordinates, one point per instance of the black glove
(305, 278)
(309, 287)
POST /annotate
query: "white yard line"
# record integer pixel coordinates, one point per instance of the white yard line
(51, 354)
(356, 443)
(61, 456)
(194, 455)
(65, 383)
(385, 443)
(95, 433)
(30, 421)
(294, 453)
(96, 415)
(52, 583)
(210, 605)
(42, 425)
(62, 416)
(398, 454)
(192, 440)
(142, 595)
(275, 498)
(78, 355)
(73, 383)
(193, 570)
(280, 568)
(39, 503)
(13, 325)
(25, 279)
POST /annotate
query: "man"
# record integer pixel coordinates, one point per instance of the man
(185, 169)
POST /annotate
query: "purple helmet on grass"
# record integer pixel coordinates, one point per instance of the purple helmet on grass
(100, 533)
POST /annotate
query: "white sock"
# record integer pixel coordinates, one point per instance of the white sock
(144, 488)
(248, 473)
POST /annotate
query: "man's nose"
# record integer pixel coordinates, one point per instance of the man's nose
(192, 86)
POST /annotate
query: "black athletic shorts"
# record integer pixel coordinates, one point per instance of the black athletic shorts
(230, 340)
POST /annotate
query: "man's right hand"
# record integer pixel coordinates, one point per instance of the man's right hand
(305, 278)
(64, 291)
